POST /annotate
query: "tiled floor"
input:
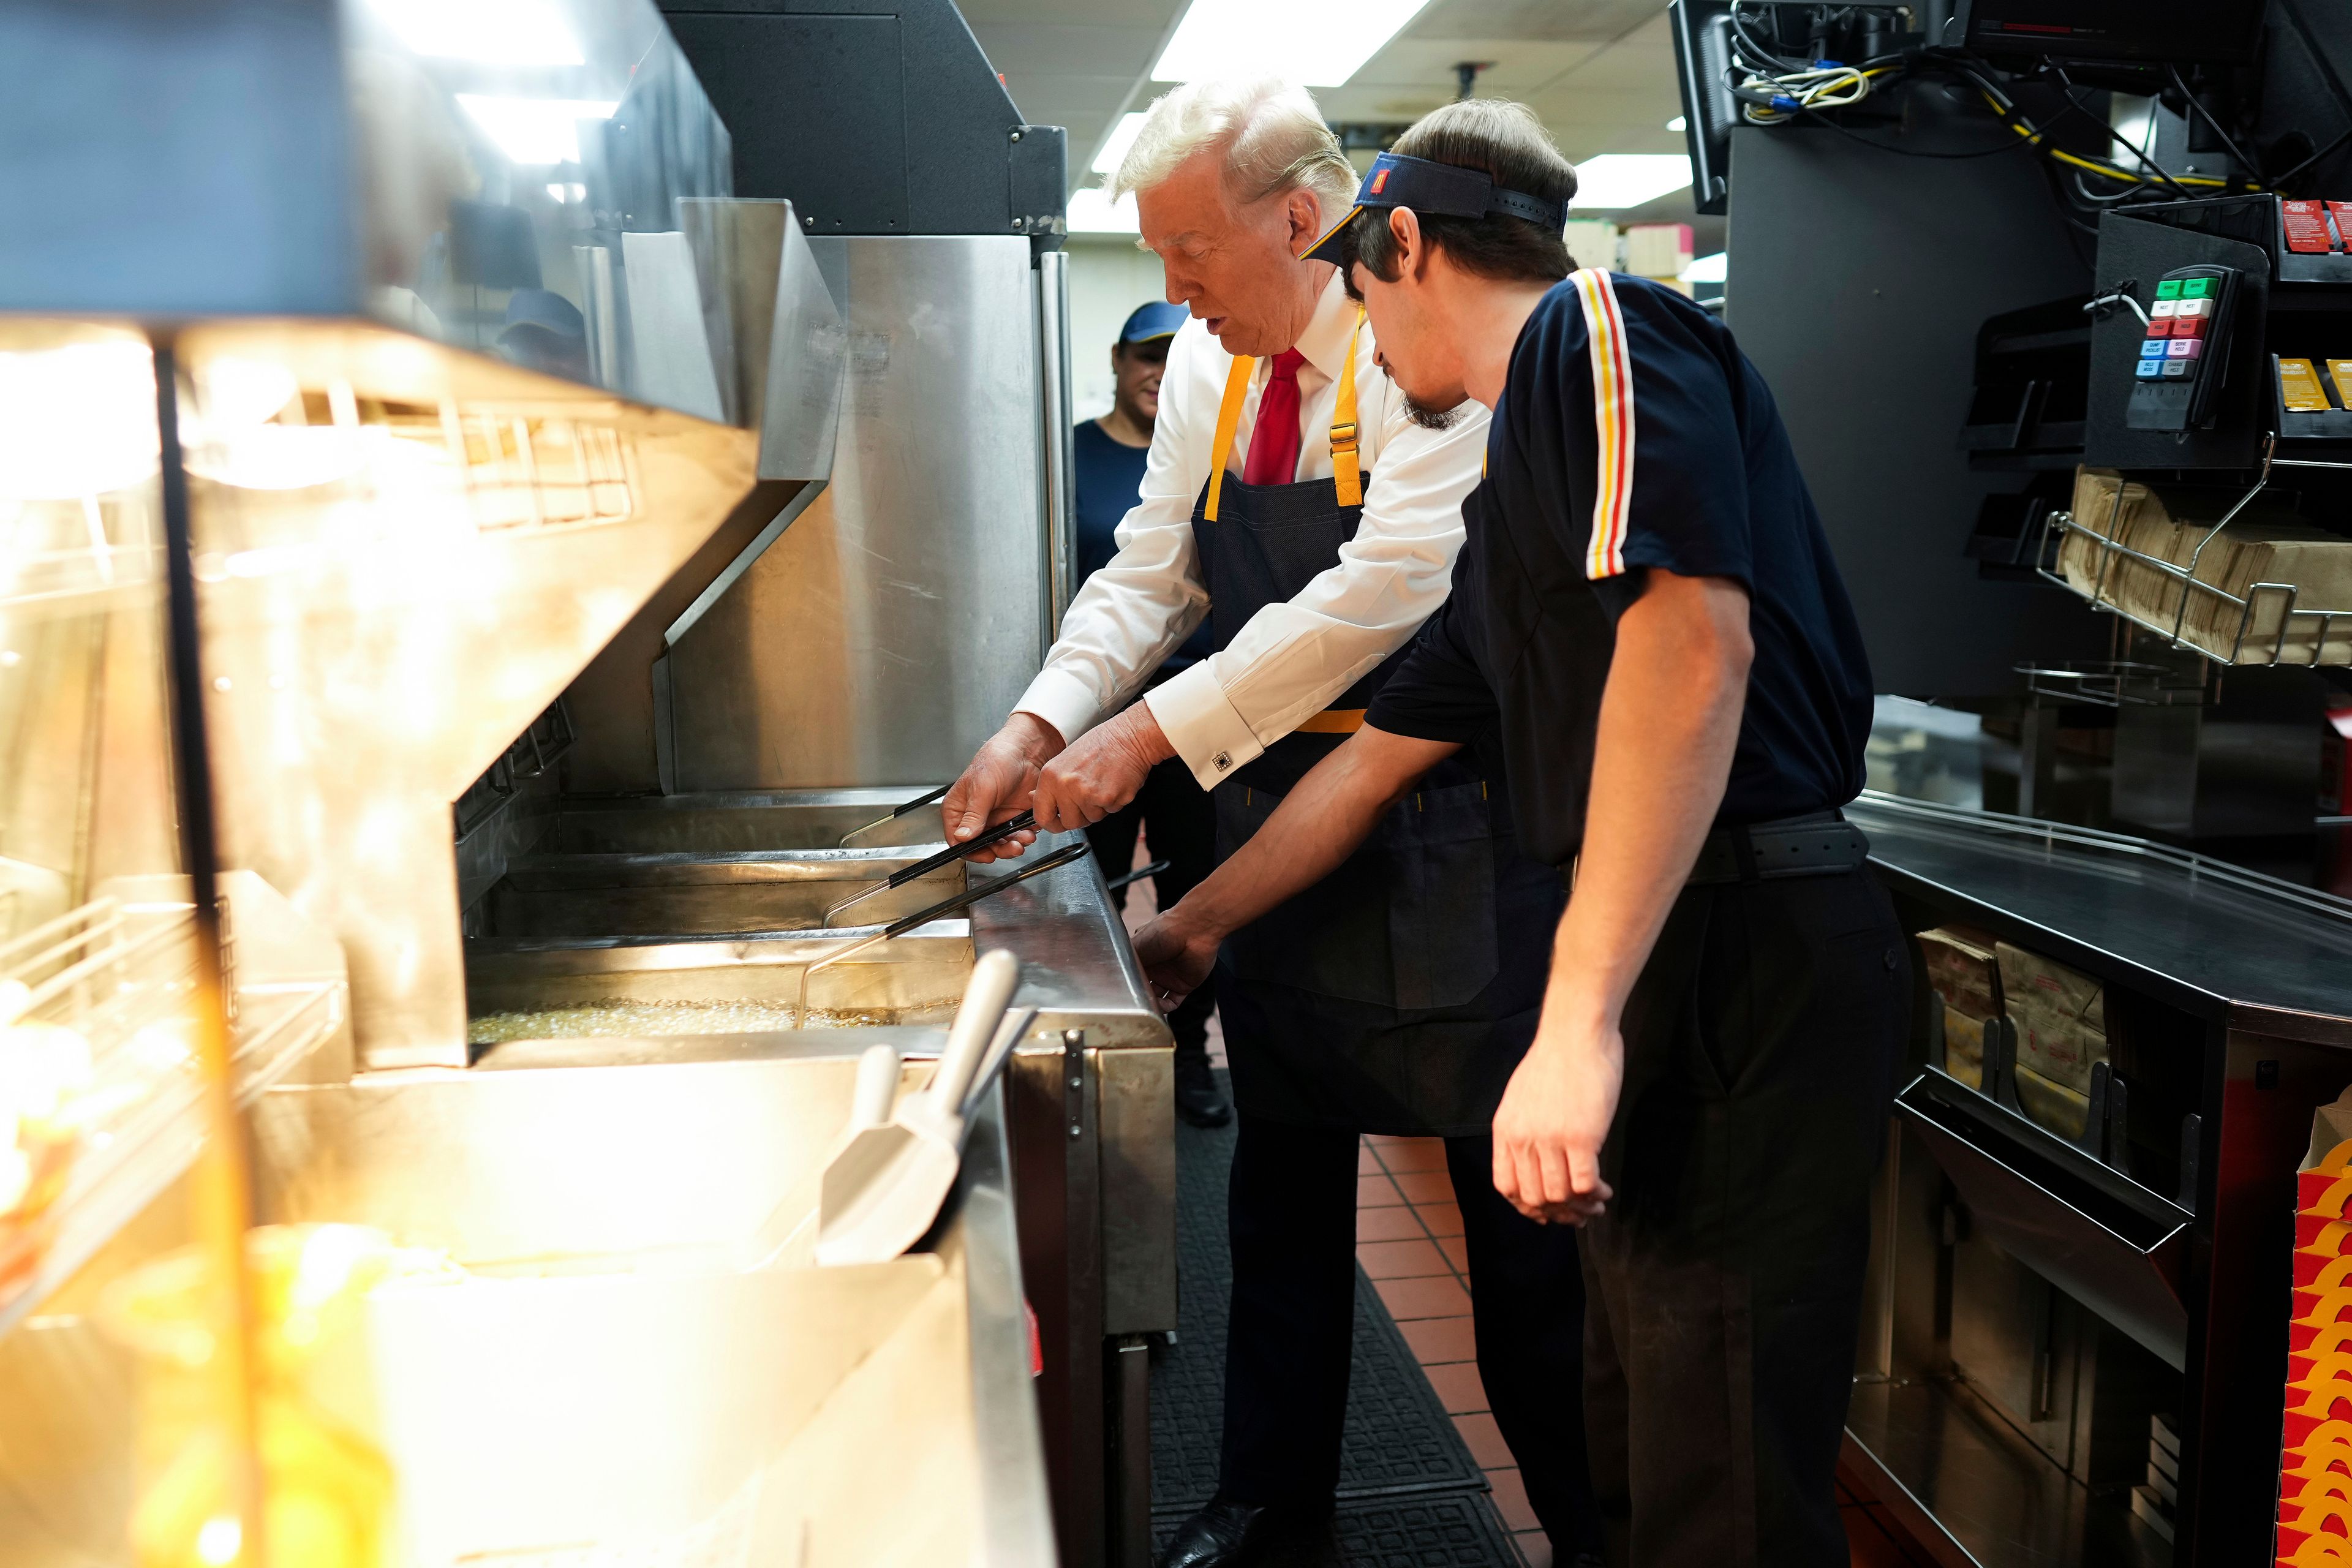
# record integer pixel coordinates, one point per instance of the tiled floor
(1409, 1240)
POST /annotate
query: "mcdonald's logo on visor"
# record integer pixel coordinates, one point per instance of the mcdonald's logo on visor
(1380, 182)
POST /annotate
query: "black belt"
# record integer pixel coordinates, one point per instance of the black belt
(1819, 844)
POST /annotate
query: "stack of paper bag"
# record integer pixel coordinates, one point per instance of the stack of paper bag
(2263, 543)
(2061, 1015)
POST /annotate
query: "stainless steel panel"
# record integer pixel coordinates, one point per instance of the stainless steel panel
(2119, 1249)
(1060, 413)
(452, 172)
(772, 328)
(1137, 1109)
(885, 633)
(1976, 1495)
(578, 898)
(374, 641)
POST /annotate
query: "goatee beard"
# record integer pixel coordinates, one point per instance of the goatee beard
(1429, 419)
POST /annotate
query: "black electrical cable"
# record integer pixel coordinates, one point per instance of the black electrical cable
(2118, 138)
(2253, 169)
(2284, 175)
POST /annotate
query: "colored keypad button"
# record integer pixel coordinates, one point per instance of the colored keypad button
(2194, 308)
(2184, 348)
(2162, 327)
(2199, 288)
(2189, 326)
(2153, 348)
(2164, 310)
(2168, 289)
(2176, 369)
(2150, 369)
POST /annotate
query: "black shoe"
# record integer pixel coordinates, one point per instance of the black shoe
(1237, 1534)
(1198, 1099)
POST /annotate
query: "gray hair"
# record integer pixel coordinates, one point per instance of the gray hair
(1272, 135)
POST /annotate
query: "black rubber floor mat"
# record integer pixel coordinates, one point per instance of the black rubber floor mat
(1429, 1530)
(1399, 1440)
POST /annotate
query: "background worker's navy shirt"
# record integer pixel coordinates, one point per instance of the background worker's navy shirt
(1110, 481)
(1633, 433)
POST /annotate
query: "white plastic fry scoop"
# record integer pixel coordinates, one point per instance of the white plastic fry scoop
(882, 1191)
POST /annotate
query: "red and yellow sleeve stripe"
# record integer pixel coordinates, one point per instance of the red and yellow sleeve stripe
(1613, 417)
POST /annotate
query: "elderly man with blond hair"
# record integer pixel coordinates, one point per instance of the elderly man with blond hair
(1310, 512)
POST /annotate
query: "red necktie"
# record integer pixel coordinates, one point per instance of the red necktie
(1273, 444)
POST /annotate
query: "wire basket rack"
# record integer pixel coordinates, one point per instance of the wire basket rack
(111, 985)
(2269, 625)
(2115, 683)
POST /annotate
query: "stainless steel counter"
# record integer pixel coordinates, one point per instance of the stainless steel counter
(2041, 1310)
(2203, 935)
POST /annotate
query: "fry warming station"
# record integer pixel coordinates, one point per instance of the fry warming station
(471, 576)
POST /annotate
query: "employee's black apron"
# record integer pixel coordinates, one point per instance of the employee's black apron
(1396, 995)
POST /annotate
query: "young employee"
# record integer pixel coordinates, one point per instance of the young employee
(1109, 455)
(1647, 636)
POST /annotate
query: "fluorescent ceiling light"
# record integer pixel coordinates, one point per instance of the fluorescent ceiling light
(1093, 212)
(1115, 145)
(1615, 181)
(1677, 125)
(536, 130)
(1706, 268)
(495, 32)
(1311, 42)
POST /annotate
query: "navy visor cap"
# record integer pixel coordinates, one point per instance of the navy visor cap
(1440, 190)
(1148, 322)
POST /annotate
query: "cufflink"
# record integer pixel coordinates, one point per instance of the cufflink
(1222, 761)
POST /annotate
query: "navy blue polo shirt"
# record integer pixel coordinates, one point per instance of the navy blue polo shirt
(1109, 482)
(1632, 434)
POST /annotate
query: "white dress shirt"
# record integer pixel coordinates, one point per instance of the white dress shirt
(1292, 658)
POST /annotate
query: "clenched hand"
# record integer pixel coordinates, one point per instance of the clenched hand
(1102, 772)
(998, 782)
(1554, 1117)
(1176, 957)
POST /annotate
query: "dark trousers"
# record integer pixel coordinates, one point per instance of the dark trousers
(1293, 1218)
(1726, 1278)
(1182, 823)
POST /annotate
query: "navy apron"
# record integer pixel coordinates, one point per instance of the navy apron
(1397, 994)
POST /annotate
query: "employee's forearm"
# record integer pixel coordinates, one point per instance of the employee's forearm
(1318, 825)
(1669, 722)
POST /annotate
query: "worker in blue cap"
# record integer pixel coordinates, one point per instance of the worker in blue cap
(1169, 811)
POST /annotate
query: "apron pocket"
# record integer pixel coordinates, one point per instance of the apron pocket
(1331, 940)
(1442, 912)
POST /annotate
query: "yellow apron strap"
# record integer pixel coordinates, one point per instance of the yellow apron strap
(1229, 415)
(1347, 472)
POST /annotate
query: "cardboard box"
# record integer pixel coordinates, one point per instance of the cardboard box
(1657, 249)
(2061, 1015)
(1594, 243)
(2314, 1514)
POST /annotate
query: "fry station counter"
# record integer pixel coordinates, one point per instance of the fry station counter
(467, 590)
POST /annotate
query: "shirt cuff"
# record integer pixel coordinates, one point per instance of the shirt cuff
(1208, 735)
(1062, 700)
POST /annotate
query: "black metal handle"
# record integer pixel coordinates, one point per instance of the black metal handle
(954, 852)
(970, 896)
(1137, 875)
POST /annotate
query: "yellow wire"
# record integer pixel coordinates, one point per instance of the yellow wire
(2010, 117)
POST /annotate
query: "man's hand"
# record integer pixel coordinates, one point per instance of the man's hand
(998, 782)
(1553, 1117)
(1176, 955)
(1102, 772)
